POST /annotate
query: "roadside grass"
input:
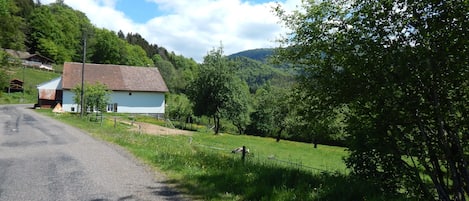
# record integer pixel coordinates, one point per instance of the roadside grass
(203, 167)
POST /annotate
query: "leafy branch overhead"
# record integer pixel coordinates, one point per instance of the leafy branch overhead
(400, 67)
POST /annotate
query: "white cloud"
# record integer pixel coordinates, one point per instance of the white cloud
(192, 29)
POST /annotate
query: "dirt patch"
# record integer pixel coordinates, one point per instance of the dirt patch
(153, 129)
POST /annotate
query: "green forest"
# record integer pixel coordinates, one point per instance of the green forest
(386, 79)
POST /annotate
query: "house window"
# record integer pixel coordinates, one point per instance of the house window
(112, 107)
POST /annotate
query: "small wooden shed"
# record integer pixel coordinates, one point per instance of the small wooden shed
(50, 93)
(16, 85)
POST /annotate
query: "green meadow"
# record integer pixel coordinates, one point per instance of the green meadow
(31, 77)
(202, 166)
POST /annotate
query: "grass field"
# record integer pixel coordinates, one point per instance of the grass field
(31, 78)
(203, 167)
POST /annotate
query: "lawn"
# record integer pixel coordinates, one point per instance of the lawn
(203, 167)
(301, 155)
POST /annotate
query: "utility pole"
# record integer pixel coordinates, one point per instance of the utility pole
(82, 101)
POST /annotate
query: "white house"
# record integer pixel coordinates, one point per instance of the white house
(134, 89)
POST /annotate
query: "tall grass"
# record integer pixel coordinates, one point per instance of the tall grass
(202, 166)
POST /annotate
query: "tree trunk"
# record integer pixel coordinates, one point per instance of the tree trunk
(279, 133)
(216, 121)
(432, 166)
(449, 144)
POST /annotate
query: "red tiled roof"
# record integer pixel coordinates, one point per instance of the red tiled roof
(115, 77)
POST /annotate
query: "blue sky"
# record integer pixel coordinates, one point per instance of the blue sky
(190, 27)
(139, 11)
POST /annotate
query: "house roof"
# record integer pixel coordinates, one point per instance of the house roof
(115, 77)
(17, 54)
(40, 57)
(26, 55)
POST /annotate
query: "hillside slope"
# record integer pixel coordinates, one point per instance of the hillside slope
(31, 78)
(261, 54)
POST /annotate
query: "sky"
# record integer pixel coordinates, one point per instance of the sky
(191, 27)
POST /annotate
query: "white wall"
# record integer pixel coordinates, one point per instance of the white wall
(127, 102)
(138, 102)
(67, 101)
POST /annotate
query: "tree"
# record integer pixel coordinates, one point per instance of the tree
(11, 26)
(121, 35)
(4, 67)
(26, 7)
(237, 108)
(107, 47)
(96, 96)
(217, 92)
(307, 120)
(186, 69)
(179, 107)
(401, 69)
(270, 111)
(56, 32)
(110, 49)
(167, 70)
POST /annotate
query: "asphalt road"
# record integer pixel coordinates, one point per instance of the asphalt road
(43, 159)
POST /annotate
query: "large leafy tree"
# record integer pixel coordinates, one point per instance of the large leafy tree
(56, 31)
(237, 108)
(167, 70)
(271, 108)
(136, 56)
(11, 26)
(108, 48)
(401, 67)
(217, 92)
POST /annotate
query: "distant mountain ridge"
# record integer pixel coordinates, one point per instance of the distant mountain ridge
(254, 68)
(261, 54)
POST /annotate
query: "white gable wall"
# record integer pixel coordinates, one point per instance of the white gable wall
(127, 102)
(139, 102)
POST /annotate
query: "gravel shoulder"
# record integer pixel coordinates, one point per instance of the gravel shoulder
(153, 129)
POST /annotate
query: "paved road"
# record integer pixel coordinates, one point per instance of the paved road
(42, 159)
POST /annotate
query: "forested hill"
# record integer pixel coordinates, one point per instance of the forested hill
(257, 73)
(261, 54)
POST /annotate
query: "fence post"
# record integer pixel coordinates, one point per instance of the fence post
(115, 122)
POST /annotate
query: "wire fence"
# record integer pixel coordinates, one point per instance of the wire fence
(270, 158)
(252, 156)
